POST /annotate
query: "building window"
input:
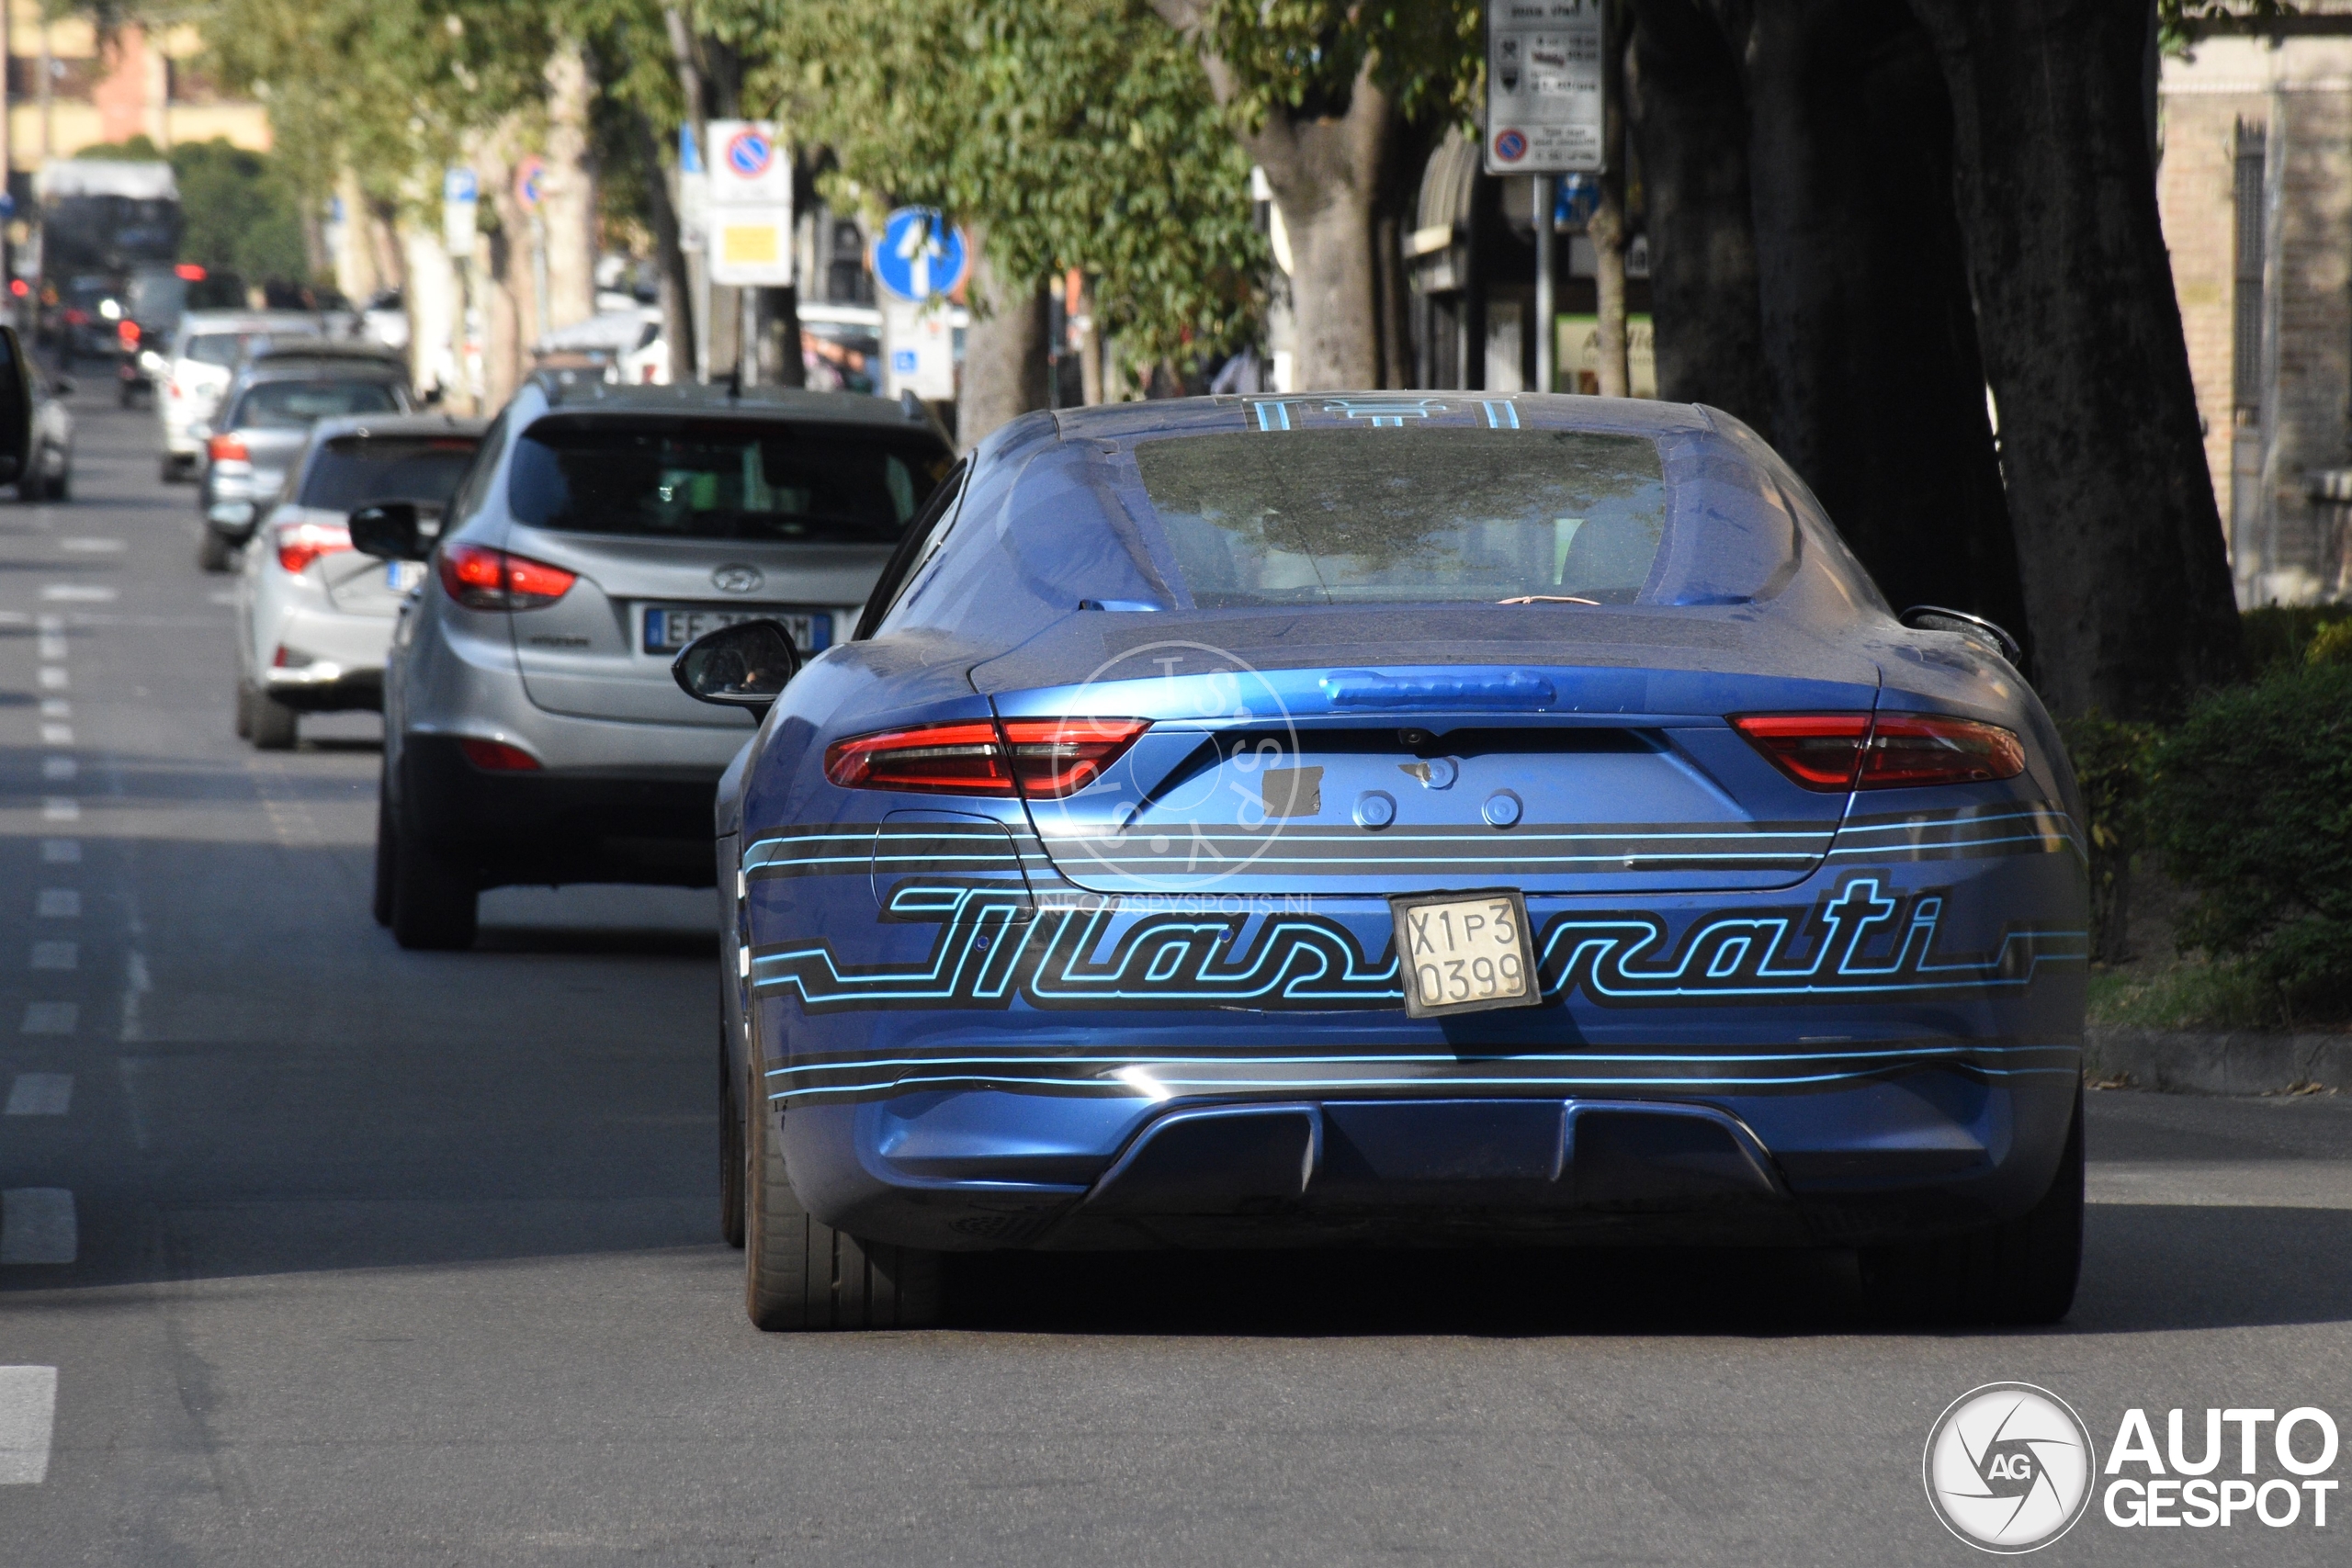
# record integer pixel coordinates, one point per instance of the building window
(2252, 227)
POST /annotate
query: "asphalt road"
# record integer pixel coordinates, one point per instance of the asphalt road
(386, 1257)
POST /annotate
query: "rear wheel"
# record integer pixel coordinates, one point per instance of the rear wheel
(272, 725)
(800, 1273)
(433, 896)
(2015, 1274)
(212, 551)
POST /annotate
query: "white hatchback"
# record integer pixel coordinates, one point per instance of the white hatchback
(207, 349)
(313, 616)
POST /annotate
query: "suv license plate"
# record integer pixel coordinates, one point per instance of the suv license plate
(401, 576)
(668, 630)
(1464, 952)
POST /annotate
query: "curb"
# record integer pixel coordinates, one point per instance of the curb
(2243, 1063)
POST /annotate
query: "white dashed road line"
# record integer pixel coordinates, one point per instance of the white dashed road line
(59, 767)
(58, 903)
(51, 1018)
(92, 546)
(56, 954)
(77, 593)
(60, 851)
(37, 1226)
(53, 678)
(39, 1094)
(61, 808)
(27, 1417)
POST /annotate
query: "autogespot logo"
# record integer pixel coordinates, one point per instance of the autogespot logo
(2010, 1467)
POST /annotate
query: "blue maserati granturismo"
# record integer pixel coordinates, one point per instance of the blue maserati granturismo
(1399, 820)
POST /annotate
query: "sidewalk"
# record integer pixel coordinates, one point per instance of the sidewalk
(2246, 1063)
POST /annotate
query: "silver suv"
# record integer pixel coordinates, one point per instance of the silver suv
(532, 730)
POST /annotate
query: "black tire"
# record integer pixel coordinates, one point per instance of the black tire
(61, 487)
(730, 1139)
(2019, 1273)
(379, 903)
(801, 1274)
(434, 897)
(270, 723)
(213, 553)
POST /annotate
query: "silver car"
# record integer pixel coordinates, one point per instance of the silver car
(265, 423)
(206, 350)
(314, 616)
(532, 730)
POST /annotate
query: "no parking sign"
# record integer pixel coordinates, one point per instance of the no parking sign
(750, 242)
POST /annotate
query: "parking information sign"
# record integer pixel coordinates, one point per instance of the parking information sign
(748, 216)
(1544, 87)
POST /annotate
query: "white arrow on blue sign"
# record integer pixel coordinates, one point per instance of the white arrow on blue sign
(919, 255)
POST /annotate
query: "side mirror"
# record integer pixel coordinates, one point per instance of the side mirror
(389, 530)
(16, 405)
(1934, 619)
(745, 666)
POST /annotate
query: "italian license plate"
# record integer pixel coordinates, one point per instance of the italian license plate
(401, 576)
(1464, 952)
(669, 628)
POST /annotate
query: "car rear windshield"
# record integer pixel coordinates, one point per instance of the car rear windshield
(353, 471)
(297, 405)
(718, 478)
(1411, 515)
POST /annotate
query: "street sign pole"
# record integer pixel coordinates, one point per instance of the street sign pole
(1545, 106)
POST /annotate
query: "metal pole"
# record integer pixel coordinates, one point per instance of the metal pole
(1546, 349)
(539, 274)
(747, 352)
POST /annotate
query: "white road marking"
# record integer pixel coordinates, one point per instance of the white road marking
(2225, 1184)
(57, 734)
(77, 593)
(56, 707)
(56, 954)
(60, 851)
(14, 617)
(92, 546)
(58, 767)
(48, 621)
(135, 984)
(61, 808)
(52, 645)
(58, 903)
(51, 1018)
(37, 1226)
(222, 596)
(39, 1094)
(54, 677)
(28, 1419)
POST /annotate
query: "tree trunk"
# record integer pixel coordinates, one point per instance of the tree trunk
(673, 288)
(2127, 581)
(1004, 349)
(1686, 105)
(1870, 343)
(568, 199)
(1089, 338)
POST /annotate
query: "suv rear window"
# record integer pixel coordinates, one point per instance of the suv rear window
(353, 471)
(297, 405)
(1401, 516)
(723, 479)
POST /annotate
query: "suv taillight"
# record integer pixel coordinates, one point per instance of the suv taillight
(1044, 759)
(482, 579)
(1855, 750)
(226, 449)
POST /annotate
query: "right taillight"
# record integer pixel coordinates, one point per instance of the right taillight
(482, 579)
(1044, 759)
(1836, 751)
(227, 449)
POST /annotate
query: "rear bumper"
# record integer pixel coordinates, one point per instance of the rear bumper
(1932, 1151)
(342, 658)
(649, 826)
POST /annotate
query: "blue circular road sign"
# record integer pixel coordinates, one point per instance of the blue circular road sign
(919, 254)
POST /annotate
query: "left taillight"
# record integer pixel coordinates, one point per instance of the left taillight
(1044, 759)
(497, 756)
(482, 579)
(1832, 752)
(300, 544)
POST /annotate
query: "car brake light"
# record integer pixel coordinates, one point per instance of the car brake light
(1853, 750)
(1044, 759)
(497, 757)
(483, 579)
(300, 544)
(192, 271)
(227, 449)
(128, 331)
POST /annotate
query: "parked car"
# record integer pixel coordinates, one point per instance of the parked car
(49, 472)
(265, 422)
(207, 349)
(1395, 819)
(313, 616)
(532, 731)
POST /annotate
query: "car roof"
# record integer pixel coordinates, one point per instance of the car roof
(196, 321)
(580, 394)
(372, 424)
(323, 367)
(330, 348)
